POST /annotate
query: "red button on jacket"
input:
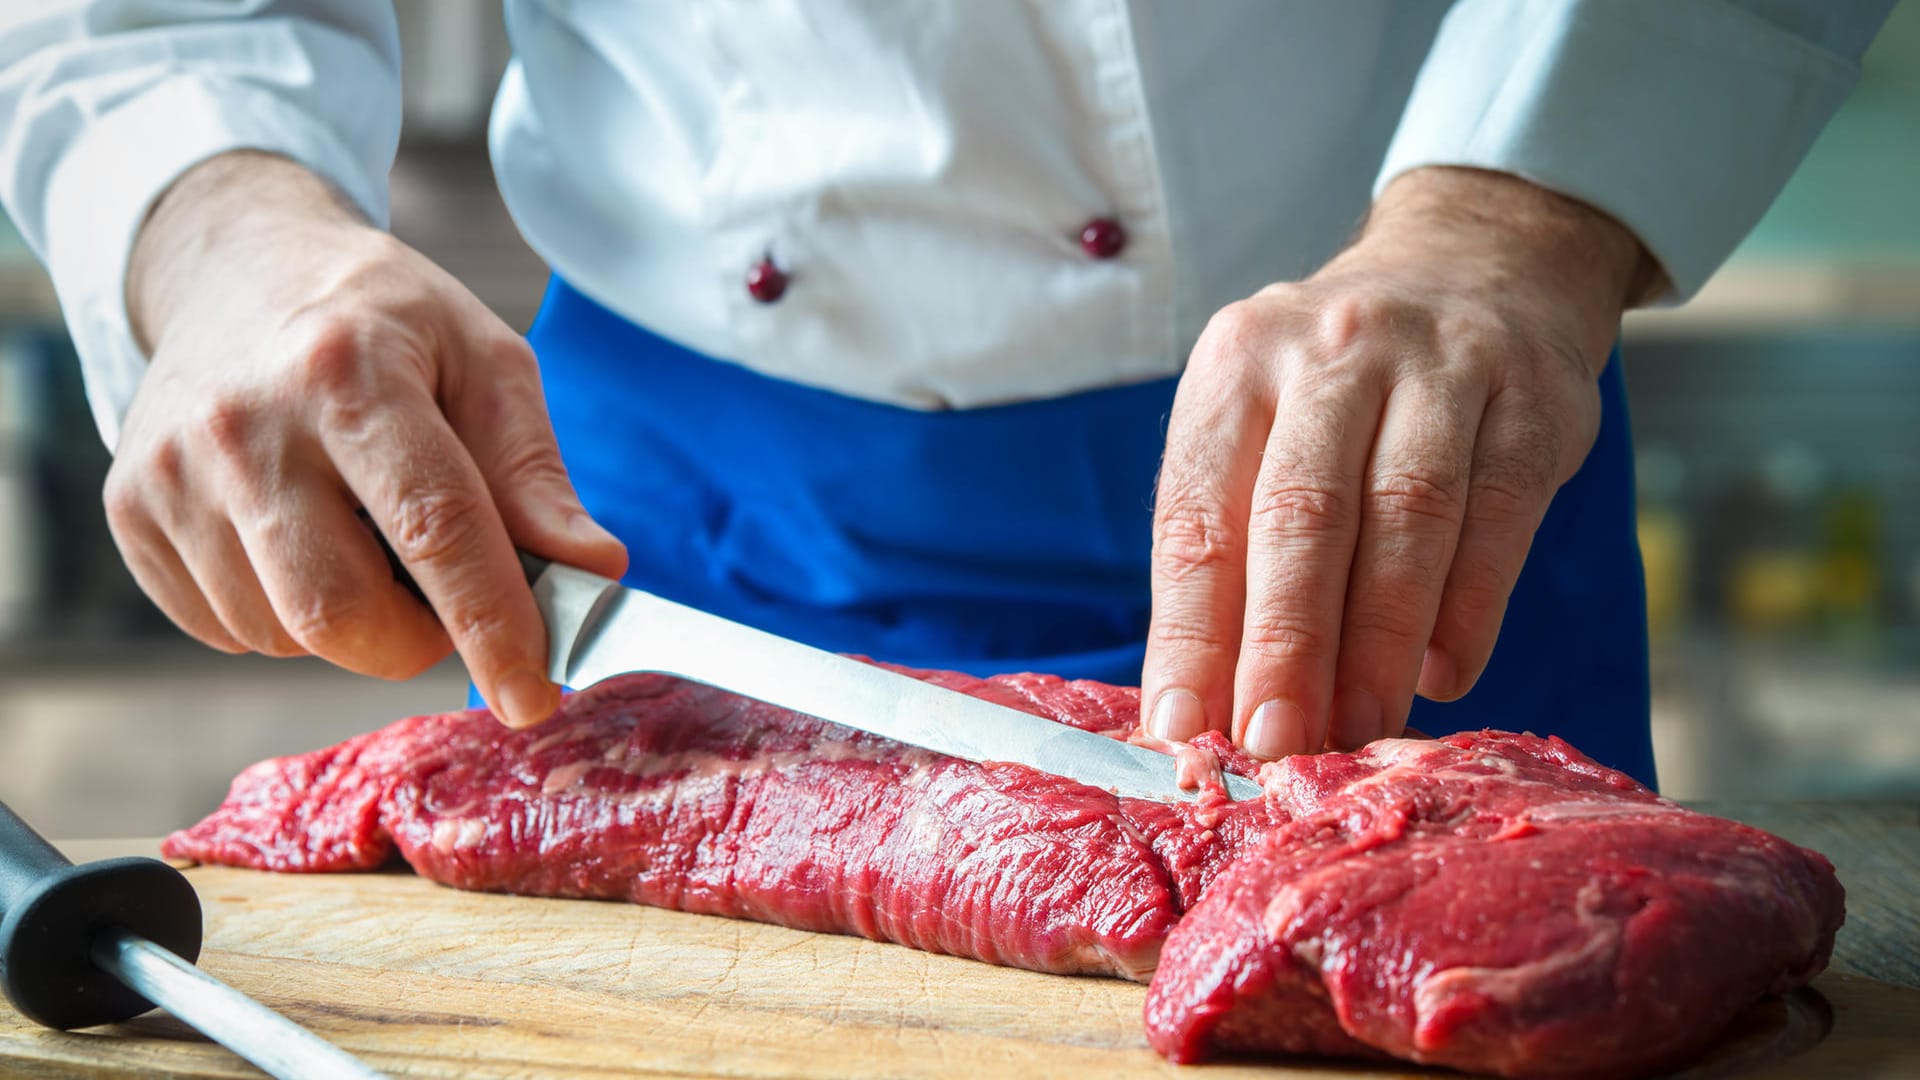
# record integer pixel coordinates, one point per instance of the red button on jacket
(1103, 238)
(766, 281)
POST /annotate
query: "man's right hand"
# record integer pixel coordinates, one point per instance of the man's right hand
(304, 365)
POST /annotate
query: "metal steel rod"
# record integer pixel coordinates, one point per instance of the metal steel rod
(280, 1047)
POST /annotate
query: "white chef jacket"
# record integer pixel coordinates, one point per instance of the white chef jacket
(922, 171)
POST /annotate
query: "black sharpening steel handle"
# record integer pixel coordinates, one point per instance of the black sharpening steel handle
(51, 911)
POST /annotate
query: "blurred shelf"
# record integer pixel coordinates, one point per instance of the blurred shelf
(123, 738)
(80, 653)
(1750, 718)
(1760, 297)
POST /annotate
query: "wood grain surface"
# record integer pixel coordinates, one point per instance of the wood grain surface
(424, 981)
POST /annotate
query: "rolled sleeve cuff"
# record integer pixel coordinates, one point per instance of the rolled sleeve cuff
(104, 185)
(1680, 118)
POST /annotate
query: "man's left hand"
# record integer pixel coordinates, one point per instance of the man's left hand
(1356, 463)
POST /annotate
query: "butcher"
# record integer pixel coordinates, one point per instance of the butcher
(1263, 354)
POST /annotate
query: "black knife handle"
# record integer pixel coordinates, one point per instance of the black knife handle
(51, 910)
(531, 565)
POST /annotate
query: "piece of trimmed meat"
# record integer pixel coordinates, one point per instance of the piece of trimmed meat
(673, 794)
(1494, 902)
(1498, 903)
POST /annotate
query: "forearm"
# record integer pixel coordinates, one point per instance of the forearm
(217, 217)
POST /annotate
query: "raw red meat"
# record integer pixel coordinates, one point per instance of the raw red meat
(674, 794)
(1498, 903)
(1495, 902)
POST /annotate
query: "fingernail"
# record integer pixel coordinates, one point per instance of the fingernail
(1357, 719)
(1438, 673)
(1178, 716)
(527, 698)
(583, 528)
(1277, 728)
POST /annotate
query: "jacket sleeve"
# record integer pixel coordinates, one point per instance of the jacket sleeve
(1681, 118)
(103, 103)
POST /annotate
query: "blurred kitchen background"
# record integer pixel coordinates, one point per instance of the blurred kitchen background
(1777, 418)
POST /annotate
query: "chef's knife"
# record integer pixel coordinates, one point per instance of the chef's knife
(597, 628)
(109, 940)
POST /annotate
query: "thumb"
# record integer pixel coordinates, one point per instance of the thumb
(501, 416)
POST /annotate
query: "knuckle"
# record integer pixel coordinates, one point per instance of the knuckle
(530, 463)
(1241, 351)
(265, 631)
(1301, 507)
(1527, 454)
(1277, 636)
(1479, 332)
(1410, 494)
(228, 427)
(218, 640)
(342, 630)
(1390, 620)
(330, 362)
(1509, 500)
(1323, 381)
(503, 400)
(1232, 330)
(1517, 485)
(138, 476)
(1192, 538)
(487, 634)
(1185, 636)
(516, 354)
(436, 525)
(1344, 319)
(121, 498)
(281, 645)
(325, 621)
(511, 376)
(164, 464)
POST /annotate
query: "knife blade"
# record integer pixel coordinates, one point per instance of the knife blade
(597, 628)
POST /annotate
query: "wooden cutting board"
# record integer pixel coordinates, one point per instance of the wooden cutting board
(425, 981)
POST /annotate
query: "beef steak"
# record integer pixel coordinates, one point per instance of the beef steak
(1491, 901)
(1494, 902)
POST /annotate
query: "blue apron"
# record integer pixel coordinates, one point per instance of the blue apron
(1012, 538)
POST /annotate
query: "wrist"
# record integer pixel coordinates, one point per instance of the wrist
(1506, 233)
(224, 216)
